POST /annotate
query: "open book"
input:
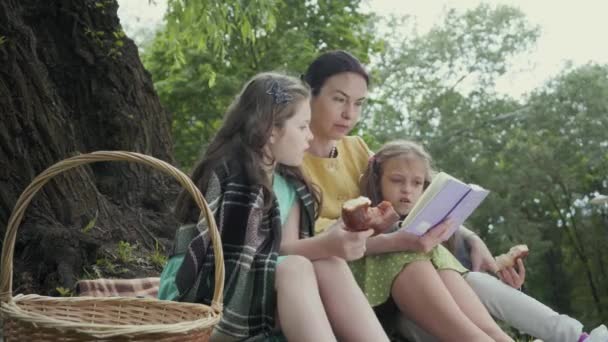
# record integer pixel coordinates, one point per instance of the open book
(445, 197)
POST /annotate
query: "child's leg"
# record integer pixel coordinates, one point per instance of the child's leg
(420, 294)
(350, 314)
(470, 304)
(522, 311)
(409, 330)
(301, 313)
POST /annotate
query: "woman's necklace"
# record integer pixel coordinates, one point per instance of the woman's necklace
(334, 152)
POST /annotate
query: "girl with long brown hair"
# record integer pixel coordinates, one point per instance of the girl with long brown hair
(258, 150)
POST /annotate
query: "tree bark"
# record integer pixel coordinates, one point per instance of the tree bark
(70, 83)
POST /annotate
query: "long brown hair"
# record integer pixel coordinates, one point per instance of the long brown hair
(295, 173)
(370, 180)
(266, 101)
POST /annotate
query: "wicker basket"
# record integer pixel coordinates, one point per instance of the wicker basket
(40, 318)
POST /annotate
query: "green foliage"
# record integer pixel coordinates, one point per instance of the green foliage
(111, 43)
(543, 157)
(96, 36)
(102, 266)
(64, 292)
(91, 223)
(101, 5)
(562, 143)
(426, 77)
(2, 40)
(124, 252)
(199, 62)
(158, 257)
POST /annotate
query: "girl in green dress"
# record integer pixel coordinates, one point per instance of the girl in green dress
(432, 282)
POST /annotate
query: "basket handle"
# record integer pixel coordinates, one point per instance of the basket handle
(6, 275)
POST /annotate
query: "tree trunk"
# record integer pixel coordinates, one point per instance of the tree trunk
(70, 83)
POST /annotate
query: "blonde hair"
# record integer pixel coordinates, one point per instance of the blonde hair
(370, 180)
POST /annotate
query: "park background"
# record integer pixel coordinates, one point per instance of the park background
(511, 95)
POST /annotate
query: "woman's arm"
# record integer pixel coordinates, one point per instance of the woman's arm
(481, 258)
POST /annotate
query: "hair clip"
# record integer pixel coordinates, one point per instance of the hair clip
(279, 95)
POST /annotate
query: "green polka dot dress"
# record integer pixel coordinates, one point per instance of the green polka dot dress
(375, 273)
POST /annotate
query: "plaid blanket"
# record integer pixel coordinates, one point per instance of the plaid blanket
(251, 236)
(141, 287)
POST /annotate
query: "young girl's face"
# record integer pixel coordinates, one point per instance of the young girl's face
(288, 143)
(402, 182)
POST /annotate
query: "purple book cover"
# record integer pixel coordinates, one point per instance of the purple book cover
(455, 199)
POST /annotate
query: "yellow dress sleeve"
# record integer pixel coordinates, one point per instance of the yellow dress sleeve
(338, 178)
(322, 224)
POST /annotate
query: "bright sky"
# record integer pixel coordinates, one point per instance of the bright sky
(570, 31)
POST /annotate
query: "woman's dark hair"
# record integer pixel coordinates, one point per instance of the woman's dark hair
(329, 64)
(266, 101)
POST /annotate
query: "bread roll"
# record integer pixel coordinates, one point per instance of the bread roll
(354, 213)
(358, 215)
(510, 258)
(382, 217)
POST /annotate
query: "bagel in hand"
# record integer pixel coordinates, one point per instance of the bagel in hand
(358, 215)
(509, 259)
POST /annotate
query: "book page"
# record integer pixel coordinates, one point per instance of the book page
(445, 197)
(436, 185)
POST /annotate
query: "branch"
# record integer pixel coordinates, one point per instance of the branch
(583, 258)
(254, 57)
(519, 113)
(570, 234)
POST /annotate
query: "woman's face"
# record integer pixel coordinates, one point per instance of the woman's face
(337, 107)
